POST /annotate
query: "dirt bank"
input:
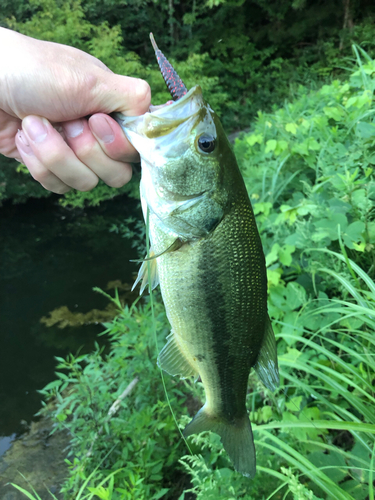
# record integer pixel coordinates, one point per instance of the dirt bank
(40, 458)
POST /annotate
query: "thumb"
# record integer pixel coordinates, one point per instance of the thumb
(130, 96)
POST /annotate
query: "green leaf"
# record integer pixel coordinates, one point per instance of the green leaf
(295, 295)
(61, 417)
(294, 405)
(363, 453)
(335, 113)
(291, 127)
(356, 489)
(262, 208)
(254, 139)
(365, 130)
(291, 356)
(52, 385)
(281, 146)
(272, 256)
(26, 493)
(355, 229)
(329, 227)
(285, 254)
(160, 493)
(313, 145)
(270, 145)
(332, 464)
(289, 419)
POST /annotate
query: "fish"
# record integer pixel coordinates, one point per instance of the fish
(207, 256)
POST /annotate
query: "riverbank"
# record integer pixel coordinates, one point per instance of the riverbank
(39, 457)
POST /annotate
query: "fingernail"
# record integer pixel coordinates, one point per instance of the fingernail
(35, 128)
(102, 129)
(73, 129)
(22, 144)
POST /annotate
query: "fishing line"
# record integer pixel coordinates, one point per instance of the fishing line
(154, 329)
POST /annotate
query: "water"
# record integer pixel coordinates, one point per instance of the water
(51, 257)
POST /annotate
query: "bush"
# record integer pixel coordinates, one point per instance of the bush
(132, 433)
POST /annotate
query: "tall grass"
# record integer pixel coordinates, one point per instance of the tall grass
(335, 371)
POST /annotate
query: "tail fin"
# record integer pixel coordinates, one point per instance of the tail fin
(237, 439)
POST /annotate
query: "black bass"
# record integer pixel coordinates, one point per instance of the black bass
(208, 259)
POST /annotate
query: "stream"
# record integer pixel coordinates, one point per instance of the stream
(52, 257)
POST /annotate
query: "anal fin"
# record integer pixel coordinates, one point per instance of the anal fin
(174, 359)
(266, 366)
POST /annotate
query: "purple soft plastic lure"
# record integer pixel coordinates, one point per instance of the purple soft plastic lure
(174, 83)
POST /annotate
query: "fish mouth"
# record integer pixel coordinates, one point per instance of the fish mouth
(163, 119)
(169, 131)
(193, 97)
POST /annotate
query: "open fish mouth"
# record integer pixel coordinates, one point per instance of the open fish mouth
(170, 113)
(153, 108)
(169, 130)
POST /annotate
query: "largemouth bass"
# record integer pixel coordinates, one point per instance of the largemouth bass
(208, 259)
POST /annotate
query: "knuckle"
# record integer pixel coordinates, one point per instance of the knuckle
(116, 183)
(8, 150)
(51, 158)
(143, 92)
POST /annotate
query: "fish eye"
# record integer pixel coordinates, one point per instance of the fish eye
(206, 143)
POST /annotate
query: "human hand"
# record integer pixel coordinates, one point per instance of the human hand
(46, 92)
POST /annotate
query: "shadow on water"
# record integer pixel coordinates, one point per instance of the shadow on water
(51, 257)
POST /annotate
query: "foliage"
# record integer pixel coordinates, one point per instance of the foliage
(137, 235)
(146, 436)
(246, 55)
(16, 184)
(310, 168)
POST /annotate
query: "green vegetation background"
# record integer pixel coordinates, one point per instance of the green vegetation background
(308, 160)
(246, 55)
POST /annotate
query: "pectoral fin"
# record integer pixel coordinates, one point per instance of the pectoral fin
(175, 360)
(266, 365)
(150, 262)
(143, 276)
(172, 248)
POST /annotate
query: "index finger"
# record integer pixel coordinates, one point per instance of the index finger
(127, 95)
